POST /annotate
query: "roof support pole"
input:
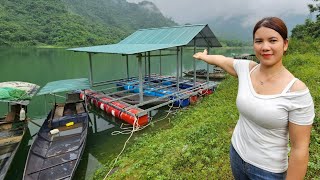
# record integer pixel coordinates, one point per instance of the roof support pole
(95, 123)
(149, 67)
(90, 70)
(194, 63)
(181, 61)
(45, 104)
(160, 63)
(145, 64)
(127, 62)
(178, 69)
(140, 78)
(208, 66)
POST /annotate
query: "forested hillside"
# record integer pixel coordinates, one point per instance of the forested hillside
(73, 23)
(120, 13)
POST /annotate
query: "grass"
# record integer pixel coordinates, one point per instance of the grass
(196, 144)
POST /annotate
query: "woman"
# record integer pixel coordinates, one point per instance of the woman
(272, 104)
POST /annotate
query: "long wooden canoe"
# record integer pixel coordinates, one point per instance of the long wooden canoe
(11, 134)
(203, 74)
(57, 155)
(13, 127)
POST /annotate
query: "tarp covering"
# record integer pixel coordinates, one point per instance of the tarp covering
(65, 85)
(17, 92)
(144, 40)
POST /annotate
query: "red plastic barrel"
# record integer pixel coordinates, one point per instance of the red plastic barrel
(103, 103)
(104, 107)
(206, 91)
(106, 99)
(116, 111)
(81, 96)
(193, 99)
(143, 120)
(94, 101)
(82, 93)
(99, 104)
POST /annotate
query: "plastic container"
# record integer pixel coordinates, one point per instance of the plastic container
(181, 103)
(149, 92)
(186, 85)
(116, 111)
(54, 131)
(143, 120)
(70, 124)
(193, 99)
(22, 114)
(104, 103)
(206, 91)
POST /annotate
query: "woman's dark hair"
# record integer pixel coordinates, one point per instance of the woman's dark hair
(273, 23)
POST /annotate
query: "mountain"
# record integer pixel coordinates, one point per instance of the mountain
(74, 22)
(119, 13)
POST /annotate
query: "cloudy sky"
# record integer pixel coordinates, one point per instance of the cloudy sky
(199, 11)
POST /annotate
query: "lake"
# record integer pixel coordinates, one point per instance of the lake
(40, 66)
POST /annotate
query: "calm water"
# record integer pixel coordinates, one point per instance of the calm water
(40, 66)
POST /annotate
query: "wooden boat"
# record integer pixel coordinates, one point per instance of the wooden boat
(12, 126)
(60, 142)
(11, 134)
(202, 73)
(246, 56)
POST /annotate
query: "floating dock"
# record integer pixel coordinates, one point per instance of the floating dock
(131, 98)
(160, 91)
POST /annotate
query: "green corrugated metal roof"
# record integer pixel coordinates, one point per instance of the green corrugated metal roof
(124, 48)
(65, 85)
(145, 40)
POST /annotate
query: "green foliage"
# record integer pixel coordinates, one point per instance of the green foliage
(72, 23)
(305, 45)
(306, 67)
(235, 43)
(314, 8)
(310, 29)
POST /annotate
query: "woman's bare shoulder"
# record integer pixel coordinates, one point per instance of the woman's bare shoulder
(252, 64)
(298, 86)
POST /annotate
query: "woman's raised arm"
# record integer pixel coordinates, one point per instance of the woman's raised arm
(225, 63)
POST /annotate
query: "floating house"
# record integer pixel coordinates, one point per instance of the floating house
(134, 97)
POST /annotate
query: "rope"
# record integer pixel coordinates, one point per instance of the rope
(130, 131)
(125, 144)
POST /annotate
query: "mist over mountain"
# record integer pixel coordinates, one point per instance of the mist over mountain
(231, 19)
(120, 13)
(233, 28)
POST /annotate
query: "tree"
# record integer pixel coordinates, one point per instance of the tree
(310, 29)
(314, 8)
